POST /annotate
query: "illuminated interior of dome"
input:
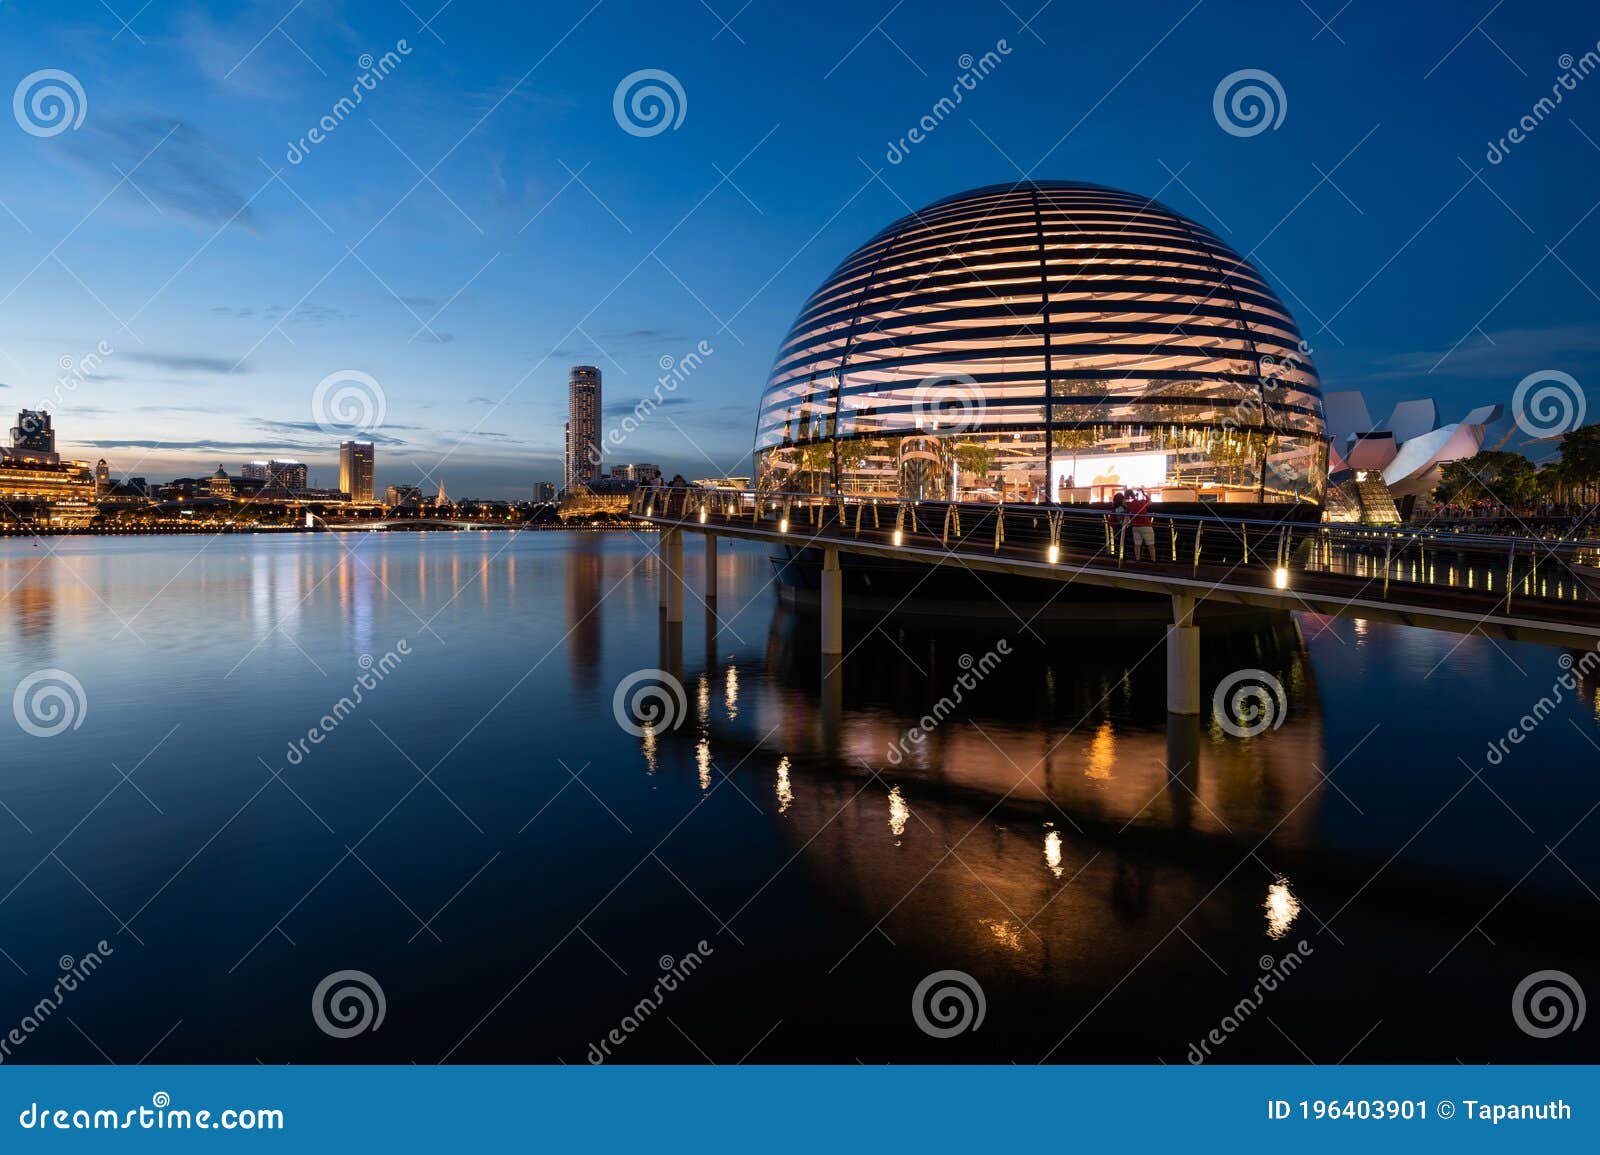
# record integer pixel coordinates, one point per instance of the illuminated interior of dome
(1020, 342)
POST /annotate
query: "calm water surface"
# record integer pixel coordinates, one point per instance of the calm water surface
(481, 835)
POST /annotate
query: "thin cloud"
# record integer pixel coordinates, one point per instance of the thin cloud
(185, 362)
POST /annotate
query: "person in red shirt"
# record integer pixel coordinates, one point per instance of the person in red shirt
(1144, 529)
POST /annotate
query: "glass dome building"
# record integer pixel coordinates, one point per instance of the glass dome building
(1046, 340)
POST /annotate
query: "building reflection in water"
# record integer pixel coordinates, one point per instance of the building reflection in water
(30, 595)
(1052, 852)
(899, 813)
(1077, 723)
(784, 788)
(1282, 908)
(1063, 747)
(583, 640)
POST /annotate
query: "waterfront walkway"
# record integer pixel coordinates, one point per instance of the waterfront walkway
(1525, 588)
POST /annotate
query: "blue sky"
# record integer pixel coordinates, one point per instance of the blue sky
(544, 234)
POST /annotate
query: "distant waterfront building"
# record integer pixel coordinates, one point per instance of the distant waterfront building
(276, 474)
(544, 491)
(583, 424)
(639, 471)
(33, 474)
(607, 495)
(441, 499)
(355, 470)
(33, 437)
(102, 478)
(398, 495)
(220, 484)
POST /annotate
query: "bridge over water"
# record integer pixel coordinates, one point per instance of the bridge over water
(1519, 587)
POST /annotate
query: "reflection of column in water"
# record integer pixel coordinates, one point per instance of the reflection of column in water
(1183, 766)
(583, 608)
(711, 636)
(671, 638)
(832, 704)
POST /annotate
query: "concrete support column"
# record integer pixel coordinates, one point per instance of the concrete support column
(661, 567)
(1183, 658)
(672, 572)
(832, 603)
(711, 567)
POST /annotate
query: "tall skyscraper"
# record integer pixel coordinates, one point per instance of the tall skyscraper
(355, 470)
(583, 424)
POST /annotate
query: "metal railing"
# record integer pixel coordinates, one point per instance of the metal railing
(1379, 561)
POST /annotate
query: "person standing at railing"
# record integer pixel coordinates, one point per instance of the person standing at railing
(1119, 519)
(1144, 529)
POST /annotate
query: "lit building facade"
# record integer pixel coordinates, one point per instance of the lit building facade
(356, 470)
(32, 472)
(640, 471)
(1038, 342)
(583, 425)
(290, 475)
(33, 437)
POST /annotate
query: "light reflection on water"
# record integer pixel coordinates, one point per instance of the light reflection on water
(1052, 836)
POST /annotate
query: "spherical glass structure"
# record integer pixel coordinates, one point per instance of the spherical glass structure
(1044, 341)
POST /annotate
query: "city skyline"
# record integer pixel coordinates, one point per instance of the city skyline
(185, 267)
